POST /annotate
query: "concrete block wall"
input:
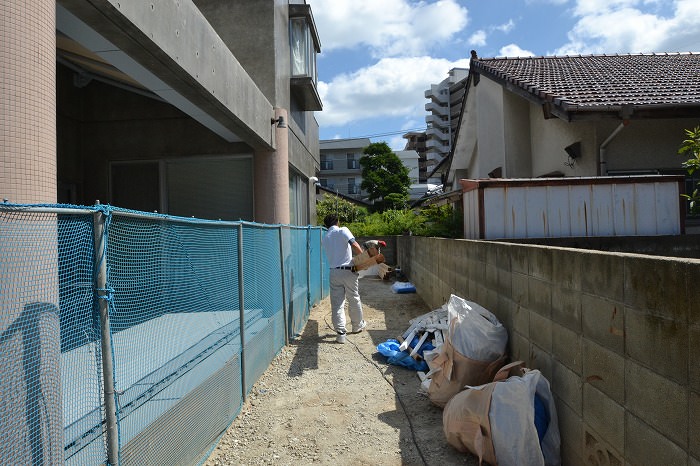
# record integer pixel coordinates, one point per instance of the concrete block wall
(617, 335)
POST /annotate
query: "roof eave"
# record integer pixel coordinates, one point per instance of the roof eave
(630, 112)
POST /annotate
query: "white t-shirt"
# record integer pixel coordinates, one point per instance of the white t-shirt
(337, 245)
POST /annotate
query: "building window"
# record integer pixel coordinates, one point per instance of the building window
(323, 182)
(352, 187)
(302, 49)
(326, 162)
(352, 163)
(298, 199)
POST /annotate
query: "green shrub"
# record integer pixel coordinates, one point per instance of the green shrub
(439, 221)
(691, 147)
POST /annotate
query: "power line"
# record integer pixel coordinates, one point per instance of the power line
(391, 133)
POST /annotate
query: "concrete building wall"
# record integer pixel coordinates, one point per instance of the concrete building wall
(248, 29)
(617, 335)
(99, 124)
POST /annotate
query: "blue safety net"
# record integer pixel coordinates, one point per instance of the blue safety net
(181, 315)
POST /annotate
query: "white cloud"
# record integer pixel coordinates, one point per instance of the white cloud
(478, 39)
(392, 87)
(387, 27)
(512, 50)
(396, 142)
(506, 27)
(620, 26)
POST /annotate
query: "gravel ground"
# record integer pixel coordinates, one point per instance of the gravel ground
(321, 402)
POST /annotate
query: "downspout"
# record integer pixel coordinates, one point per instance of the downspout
(602, 162)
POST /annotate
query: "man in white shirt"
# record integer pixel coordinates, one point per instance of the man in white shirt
(340, 246)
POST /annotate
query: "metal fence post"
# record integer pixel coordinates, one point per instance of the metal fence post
(241, 307)
(103, 298)
(308, 270)
(284, 290)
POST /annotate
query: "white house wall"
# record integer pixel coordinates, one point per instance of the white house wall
(642, 145)
(518, 150)
(550, 137)
(646, 144)
(490, 127)
(465, 148)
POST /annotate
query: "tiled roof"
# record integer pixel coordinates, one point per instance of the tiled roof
(602, 83)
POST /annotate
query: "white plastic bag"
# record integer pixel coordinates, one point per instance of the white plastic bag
(500, 422)
(476, 333)
(512, 419)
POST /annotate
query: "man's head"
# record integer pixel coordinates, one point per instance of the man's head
(330, 220)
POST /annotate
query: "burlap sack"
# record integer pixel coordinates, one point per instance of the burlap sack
(456, 371)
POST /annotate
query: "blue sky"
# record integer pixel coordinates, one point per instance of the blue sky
(379, 56)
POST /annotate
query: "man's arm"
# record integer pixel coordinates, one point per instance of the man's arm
(356, 248)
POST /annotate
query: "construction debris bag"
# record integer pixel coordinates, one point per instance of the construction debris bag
(453, 371)
(477, 333)
(510, 421)
(474, 350)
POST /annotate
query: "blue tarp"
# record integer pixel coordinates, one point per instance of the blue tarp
(390, 349)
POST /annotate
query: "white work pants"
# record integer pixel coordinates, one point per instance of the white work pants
(344, 286)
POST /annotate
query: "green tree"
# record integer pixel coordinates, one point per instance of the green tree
(691, 147)
(346, 211)
(384, 176)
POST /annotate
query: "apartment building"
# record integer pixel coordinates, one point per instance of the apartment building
(198, 108)
(444, 109)
(340, 166)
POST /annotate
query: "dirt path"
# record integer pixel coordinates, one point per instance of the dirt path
(325, 403)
